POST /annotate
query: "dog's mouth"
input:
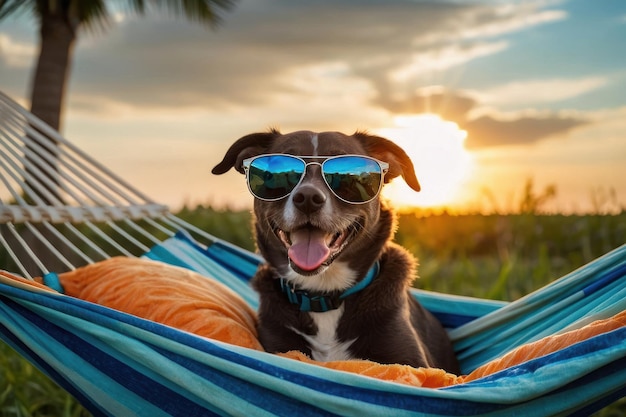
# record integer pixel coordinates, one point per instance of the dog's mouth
(311, 249)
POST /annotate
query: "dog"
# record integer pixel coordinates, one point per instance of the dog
(334, 286)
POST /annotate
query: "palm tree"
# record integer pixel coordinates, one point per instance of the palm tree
(59, 22)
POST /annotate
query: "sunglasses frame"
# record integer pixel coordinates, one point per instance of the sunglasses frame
(384, 168)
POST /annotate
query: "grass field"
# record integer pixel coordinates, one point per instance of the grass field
(494, 256)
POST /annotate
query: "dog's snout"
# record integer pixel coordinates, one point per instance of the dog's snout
(309, 199)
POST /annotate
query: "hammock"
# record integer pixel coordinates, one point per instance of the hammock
(558, 351)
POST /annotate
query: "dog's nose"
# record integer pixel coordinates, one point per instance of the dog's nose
(308, 199)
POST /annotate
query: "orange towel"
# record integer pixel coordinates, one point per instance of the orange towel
(23, 282)
(549, 345)
(402, 374)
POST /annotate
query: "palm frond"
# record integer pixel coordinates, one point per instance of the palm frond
(9, 7)
(199, 11)
(93, 15)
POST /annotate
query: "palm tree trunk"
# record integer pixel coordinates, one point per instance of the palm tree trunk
(57, 38)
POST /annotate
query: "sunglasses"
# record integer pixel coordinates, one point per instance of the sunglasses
(355, 179)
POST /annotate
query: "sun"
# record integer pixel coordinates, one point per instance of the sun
(442, 163)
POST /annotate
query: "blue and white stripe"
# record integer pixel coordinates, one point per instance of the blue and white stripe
(121, 365)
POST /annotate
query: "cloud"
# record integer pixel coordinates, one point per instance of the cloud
(448, 104)
(488, 130)
(16, 54)
(444, 58)
(314, 55)
(486, 127)
(156, 61)
(511, 18)
(244, 62)
(522, 93)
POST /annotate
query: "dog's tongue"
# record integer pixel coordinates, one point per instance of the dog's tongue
(308, 248)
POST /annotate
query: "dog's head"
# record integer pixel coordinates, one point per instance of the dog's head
(317, 218)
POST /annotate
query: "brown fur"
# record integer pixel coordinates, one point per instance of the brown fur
(386, 323)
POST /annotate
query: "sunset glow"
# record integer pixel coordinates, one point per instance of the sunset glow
(484, 96)
(442, 163)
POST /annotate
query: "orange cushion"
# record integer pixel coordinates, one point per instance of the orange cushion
(166, 294)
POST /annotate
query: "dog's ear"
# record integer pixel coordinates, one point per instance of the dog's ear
(245, 147)
(385, 150)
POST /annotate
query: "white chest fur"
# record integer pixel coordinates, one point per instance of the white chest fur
(324, 345)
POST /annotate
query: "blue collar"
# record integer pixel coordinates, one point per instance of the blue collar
(320, 303)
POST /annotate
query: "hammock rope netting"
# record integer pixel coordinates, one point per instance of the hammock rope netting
(61, 210)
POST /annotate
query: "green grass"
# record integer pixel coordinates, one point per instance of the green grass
(497, 256)
(504, 257)
(24, 391)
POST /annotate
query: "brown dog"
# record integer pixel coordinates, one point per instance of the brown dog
(334, 287)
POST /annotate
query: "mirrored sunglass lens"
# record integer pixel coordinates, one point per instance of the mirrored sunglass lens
(274, 176)
(353, 178)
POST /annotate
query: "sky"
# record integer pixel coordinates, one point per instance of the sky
(485, 96)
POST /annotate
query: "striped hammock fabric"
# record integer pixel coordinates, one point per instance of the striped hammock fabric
(118, 364)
